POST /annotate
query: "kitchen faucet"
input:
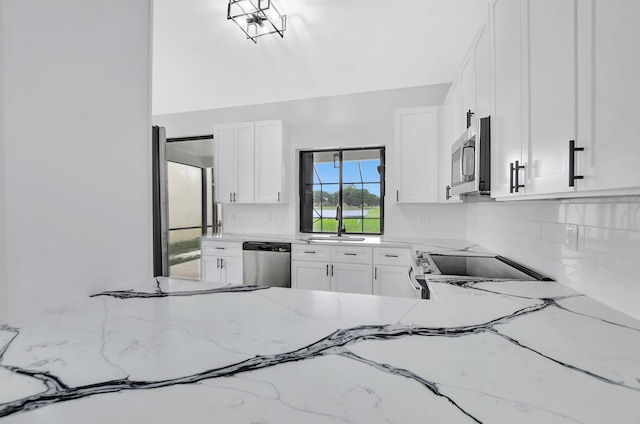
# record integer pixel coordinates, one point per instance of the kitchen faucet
(341, 229)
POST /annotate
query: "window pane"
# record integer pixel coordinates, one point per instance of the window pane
(185, 195)
(361, 190)
(184, 254)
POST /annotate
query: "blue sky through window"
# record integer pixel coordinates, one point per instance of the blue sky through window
(350, 174)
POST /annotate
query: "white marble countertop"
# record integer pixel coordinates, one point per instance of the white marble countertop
(178, 351)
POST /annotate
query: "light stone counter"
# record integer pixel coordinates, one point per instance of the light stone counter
(177, 351)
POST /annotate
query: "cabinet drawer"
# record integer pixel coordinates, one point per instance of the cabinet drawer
(391, 256)
(221, 248)
(307, 252)
(351, 254)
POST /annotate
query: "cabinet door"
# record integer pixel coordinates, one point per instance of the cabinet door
(244, 162)
(391, 281)
(468, 87)
(310, 275)
(608, 93)
(457, 120)
(416, 155)
(506, 125)
(269, 162)
(226, 171)
(483, 72)
(444, 151)
(351, 278)
(550, 69)
(210, 269)
(231, 269)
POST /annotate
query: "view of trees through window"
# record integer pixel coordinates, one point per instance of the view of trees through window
(351, 178)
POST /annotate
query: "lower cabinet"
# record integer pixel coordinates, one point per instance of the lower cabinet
(351, 269)
(221, 262)
(351, 278)
(310, 275)
(391, 281)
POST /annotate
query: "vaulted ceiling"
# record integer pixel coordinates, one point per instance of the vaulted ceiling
(331, 47)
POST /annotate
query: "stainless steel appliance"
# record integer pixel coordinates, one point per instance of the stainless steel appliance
(471, 161)
(493, 266)
(266, 263)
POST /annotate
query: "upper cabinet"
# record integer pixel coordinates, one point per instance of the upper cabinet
(416, 155)
(269, 163)
(564, 76)
(250, 162)
(608, 90)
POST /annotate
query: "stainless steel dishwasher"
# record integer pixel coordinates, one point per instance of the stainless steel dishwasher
(266, 264)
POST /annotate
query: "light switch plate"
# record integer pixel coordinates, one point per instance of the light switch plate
(571, 236)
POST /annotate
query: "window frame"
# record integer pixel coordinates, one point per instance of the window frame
(305, 198)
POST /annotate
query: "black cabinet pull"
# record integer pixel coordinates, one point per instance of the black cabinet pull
(448, 193)
(572, 163)
(332, 270)
(327, 270)
(517, 169)
(397, 195)
(278, 197)
(390, 256)
(309, 251)
(375, 272)
(350, 254)
(469, 115)
(511, 170)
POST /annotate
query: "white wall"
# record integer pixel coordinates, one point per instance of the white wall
(3, 227)
(606, 265)
(364, 119)
(76, 139)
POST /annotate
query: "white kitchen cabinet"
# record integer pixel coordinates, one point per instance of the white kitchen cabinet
(608, 92)
(457, 116)
(250, 162)
(221, 262)
(270, 157)
(391, 271)
(332, 268)
(235, 162)
(416, 155)
(310, 275)
(446, 139)
(468, 87)
(351, 278)
(549, 98)
(506, 123)
(391, 281)
(482, 52)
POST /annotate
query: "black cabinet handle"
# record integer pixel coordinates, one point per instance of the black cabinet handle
(448, 193)
(350, 254)
(230, 197)
(397, 195)
(309, 251)
(327, 270)
(332, 270)
(511, 170)
(572, 163)
(375, 272)
(469, 115)
(517, 169)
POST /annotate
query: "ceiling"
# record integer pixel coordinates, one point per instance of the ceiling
(331, 47)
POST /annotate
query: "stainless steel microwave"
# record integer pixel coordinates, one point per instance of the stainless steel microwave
(471, 160)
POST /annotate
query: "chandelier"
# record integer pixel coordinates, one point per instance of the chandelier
(257, 18)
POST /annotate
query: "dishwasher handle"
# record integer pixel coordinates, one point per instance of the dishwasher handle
(263, 246)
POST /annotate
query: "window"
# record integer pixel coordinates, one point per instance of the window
(342, 187)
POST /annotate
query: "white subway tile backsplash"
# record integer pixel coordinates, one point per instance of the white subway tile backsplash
(625, 244)
(606, 265)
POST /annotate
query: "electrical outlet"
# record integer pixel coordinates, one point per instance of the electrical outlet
(571, 236)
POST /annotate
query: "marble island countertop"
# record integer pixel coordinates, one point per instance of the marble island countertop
(179, 351)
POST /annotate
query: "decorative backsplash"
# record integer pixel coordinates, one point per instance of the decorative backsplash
(606, 263)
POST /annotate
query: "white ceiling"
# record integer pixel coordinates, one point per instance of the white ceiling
(331, 47)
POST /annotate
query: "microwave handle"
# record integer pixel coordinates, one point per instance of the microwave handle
(463, 162)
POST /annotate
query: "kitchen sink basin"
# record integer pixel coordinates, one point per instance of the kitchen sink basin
(335, 238)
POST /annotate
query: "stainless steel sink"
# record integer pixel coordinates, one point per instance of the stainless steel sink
(334, 238)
